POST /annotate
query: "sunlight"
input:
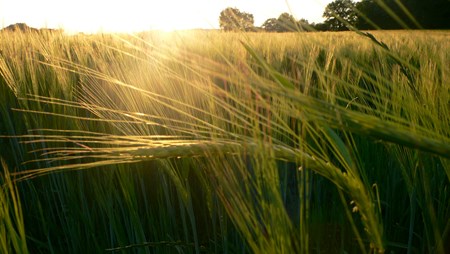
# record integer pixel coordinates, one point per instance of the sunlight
(109, 16)
(138, 15)
(166, 16)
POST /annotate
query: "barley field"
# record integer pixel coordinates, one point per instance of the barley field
(213, 142)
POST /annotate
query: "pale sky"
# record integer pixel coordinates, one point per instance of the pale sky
(139, 15)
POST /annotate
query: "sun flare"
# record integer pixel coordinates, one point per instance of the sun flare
(138, 15)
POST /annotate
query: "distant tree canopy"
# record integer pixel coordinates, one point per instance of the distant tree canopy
(271, 25)
(395, 14)
(339, 14)
(22, 27)
(363, 15)
(285, 23)
(232, 19)
(386, 14)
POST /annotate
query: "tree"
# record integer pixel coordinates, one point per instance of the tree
(304, 25)
(367, 11)
(371, 15)
(22, 27)
(391, 14)
(320, 26)
(339, 14)
(287, 22)
(232, 19)
(284, 23)
(271, 25)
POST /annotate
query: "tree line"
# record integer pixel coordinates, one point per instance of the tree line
(341, 15)
(22, 27)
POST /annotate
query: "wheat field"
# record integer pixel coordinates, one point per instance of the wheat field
(212, 142)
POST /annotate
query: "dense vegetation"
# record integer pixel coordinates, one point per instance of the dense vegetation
(212, 142)
(342, 15)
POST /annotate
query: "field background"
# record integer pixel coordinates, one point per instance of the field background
(210, 142)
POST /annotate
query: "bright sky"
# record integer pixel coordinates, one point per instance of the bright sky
(139, 15)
